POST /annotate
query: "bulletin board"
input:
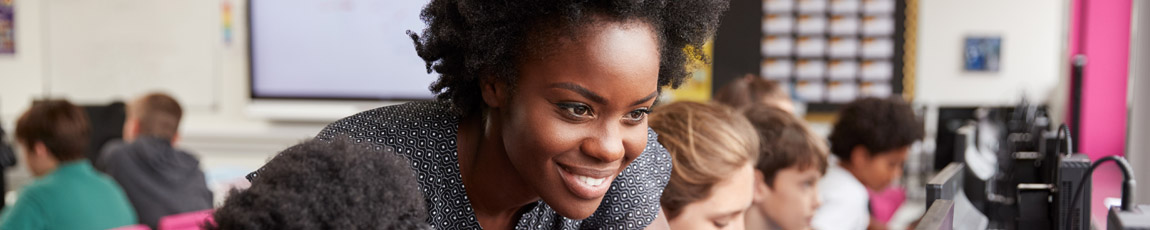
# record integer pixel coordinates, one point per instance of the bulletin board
(831, 52)
(100, 51)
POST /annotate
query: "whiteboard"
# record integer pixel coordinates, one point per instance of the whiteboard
(116, 49)
(346, 49)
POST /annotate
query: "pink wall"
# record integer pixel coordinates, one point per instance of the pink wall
(1100, 29)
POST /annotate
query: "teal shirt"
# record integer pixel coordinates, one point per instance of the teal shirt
(74, 196)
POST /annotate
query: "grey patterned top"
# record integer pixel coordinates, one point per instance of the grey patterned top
(425, 133)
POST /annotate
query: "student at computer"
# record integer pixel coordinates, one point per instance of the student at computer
(159, 179)
(322, 184)
(714, 150)
(752, 90)
(792, 159)
(869, 143)
(68, 193)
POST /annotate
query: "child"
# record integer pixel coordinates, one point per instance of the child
(752, 90)
(870, 141)
(327, 185)
(713, 150)
(68, 193)
(159, 179)
(791, 161)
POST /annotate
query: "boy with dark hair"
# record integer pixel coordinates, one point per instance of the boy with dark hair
(327, 185)
(870, 141)
(791, 161)
(68, 193)
(159, 179)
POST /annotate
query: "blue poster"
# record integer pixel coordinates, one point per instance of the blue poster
(981, 54)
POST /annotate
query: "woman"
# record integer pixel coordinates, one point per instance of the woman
(540, 121)
(714, 151)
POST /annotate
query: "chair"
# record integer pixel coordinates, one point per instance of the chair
(186, 221)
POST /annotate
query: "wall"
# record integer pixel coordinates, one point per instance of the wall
(20, 74)
(191, 60)
(1104, 29)
(1032, 33)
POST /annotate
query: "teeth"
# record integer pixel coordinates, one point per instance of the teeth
(590, 181)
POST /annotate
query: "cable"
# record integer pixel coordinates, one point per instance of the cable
(1064, 136)
(1127, 182)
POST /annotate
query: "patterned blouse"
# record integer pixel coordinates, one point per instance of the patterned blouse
(425, 133)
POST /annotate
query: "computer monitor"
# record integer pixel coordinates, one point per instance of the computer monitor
(945, 185)
(940, 216)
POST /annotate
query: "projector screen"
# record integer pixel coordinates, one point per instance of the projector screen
(336, 49)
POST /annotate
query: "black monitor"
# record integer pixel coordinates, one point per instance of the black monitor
(945, 185)
(940, 216)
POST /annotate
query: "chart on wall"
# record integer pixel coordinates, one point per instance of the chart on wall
(833, 51)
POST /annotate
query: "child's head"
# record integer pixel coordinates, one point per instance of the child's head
(752, 90)
(713, 150)
(791, 161)
(52, 132)
(155, 115)
(872, 138)
(327, 185)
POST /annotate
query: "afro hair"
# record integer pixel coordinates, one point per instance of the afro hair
(327, 185)
(467, 40)
(878, 125)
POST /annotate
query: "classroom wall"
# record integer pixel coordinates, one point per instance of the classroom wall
(1103, 29)
(192, 60)
(1033, 35)
(20, 74)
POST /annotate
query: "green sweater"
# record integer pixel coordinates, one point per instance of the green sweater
(74, 196)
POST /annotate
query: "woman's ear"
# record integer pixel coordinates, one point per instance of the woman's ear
(494, 92)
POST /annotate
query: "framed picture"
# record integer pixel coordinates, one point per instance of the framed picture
(982, 53)
(7, 27)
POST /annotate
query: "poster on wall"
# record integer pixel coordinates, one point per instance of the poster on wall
(981, 54)
(7, 27)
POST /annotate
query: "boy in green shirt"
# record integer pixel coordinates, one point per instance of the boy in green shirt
(68, 192)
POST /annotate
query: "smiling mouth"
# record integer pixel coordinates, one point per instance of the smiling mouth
(586, 183)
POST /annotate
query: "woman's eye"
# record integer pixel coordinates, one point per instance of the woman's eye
(720, 224)
(575, 110)
(637, 115)
(578, 110)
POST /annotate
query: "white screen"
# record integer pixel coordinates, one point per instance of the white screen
(335, 49)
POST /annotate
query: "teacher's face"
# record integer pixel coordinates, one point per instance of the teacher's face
(578, 113)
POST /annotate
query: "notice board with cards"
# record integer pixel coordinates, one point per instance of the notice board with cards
(830, 52)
